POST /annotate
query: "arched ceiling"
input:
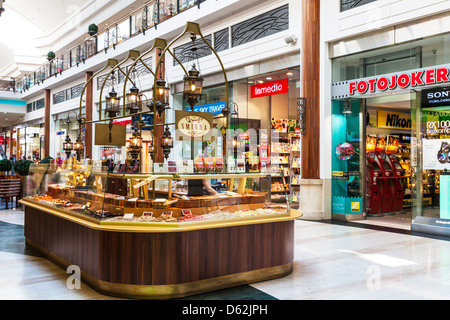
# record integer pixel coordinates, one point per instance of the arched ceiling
(25, 20)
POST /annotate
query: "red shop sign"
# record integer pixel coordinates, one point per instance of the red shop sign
(122, 122)
(270, 88)
(399, 81)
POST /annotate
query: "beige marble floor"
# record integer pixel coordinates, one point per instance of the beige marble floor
(331, 262)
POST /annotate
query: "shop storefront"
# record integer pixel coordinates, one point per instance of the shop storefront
(28, 141)
(390, 137)
(263, 121)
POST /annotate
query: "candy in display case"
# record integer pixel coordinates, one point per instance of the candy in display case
(158, 198)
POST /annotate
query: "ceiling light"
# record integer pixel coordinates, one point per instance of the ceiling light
(290, 73)
(347, 107)
(269, 78)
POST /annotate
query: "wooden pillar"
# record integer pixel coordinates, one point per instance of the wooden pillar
(310, 68)
(159, 130)
(19, 154)
(88, 114)
(47, 123)
(12, 149)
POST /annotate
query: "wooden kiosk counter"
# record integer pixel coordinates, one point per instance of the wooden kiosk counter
(159, 249)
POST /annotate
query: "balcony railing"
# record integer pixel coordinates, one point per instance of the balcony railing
(140, 20)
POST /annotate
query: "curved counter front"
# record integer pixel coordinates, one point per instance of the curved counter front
(133, 261)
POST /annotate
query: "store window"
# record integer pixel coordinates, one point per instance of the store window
(435, 145)
(422, 53)
(262, 124)
(350, 4)
(264, 25)
(347, 184)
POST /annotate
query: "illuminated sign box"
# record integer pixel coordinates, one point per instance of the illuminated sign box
(270, 88)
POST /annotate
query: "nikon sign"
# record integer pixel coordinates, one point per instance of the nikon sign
(394, 120)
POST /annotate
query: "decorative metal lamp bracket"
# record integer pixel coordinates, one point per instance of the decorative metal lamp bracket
(132, 55)
(192, 27)
(301, 114)
(111, 63)
(158, 43)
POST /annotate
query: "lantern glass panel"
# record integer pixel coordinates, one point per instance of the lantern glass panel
(112, 104)
(68, 146)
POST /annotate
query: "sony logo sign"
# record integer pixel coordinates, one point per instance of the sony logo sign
(438, 94)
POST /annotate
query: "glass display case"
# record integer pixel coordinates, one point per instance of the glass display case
(94, 191)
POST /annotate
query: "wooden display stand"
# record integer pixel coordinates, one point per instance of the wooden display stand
(132, 261)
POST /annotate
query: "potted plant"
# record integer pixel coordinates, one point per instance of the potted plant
(5, 165)
(50, 56)
(92, 29)
(22, 167)
(46, 160)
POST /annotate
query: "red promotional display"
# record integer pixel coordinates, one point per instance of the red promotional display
(398, 191)
(270, 88)
(373, 186)
(387, 193)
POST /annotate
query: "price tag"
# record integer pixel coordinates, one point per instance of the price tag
(148, 214)
(128, 215)
(186, 212)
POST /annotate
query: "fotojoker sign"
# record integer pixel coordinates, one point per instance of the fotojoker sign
(391, 82)
(270, 88)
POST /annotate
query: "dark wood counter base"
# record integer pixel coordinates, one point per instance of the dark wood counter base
(163, 264)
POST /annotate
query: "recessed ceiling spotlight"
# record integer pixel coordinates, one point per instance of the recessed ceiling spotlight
(269, 78)
(260, 81)
(290, 73)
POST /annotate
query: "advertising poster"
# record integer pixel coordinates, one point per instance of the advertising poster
(392, 144)
(279, 125)
(381, 144)
(371, 142)
(436, 154)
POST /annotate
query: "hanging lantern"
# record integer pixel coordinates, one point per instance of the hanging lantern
(112, 104)
(134, 103)
(161, 96)
(193, 86)
(78, 146)
(68, 146)
(135, 144)
(166, 142)
(151, 149)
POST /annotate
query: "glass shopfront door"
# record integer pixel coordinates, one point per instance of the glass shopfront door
(347, 150)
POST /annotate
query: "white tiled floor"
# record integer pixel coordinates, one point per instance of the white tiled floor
(331, 262)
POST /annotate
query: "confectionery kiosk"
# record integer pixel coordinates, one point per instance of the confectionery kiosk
(152, 240)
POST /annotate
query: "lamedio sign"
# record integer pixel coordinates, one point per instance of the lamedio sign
(270, 88)
(193, 125)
